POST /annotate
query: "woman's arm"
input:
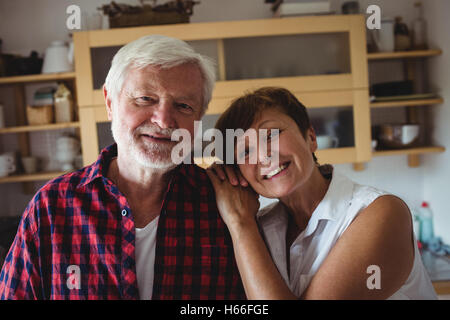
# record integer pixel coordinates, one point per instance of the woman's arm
(380, 236)
(238, 206)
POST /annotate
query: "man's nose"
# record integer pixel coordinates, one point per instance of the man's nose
(162, 115)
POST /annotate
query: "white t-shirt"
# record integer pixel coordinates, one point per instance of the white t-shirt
(343, 201)
(145, 258)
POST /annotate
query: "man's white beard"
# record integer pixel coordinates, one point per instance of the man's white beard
(146, 154)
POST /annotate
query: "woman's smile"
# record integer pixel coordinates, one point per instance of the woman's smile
(277, 172)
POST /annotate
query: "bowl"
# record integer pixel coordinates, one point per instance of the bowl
(398, 136)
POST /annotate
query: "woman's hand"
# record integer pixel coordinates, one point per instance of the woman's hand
(236, 200)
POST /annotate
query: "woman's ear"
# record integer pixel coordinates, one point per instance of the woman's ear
(311, 139)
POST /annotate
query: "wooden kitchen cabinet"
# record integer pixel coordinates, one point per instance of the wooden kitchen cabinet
(346, 89)
(22, 129)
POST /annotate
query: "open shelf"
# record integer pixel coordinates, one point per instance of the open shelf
(44, 127)
(406, 103)
(411, 151)
(40, 176)
(38, 78)
(403, 54)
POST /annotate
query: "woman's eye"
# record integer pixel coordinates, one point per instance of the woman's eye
(272, 133)
(244, 154)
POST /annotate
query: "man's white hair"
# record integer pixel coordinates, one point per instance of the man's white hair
(162, 51)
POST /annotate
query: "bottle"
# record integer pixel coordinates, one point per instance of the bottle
(426, 223)
(419, 28)
(402, 37)
(416, 223)
(64, 110)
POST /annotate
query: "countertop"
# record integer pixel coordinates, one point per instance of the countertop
(438, 268)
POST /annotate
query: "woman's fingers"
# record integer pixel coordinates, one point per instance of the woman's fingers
(243, 182)
(218, 169)
(231, 174)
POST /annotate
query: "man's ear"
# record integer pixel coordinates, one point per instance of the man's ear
(108, 102)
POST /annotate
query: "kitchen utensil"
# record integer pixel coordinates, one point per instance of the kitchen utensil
(57, 58)
(397, 136)
(326, 142)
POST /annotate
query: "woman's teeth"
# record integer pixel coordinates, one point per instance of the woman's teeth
(276, 171)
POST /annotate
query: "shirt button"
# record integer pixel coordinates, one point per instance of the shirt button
(124, 212)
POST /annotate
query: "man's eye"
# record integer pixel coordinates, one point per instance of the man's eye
(184, 107)
(145, 99)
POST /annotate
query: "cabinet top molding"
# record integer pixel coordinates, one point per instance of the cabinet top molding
(227, 29)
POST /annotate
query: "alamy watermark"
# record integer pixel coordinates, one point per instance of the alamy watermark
(74, 278)
(242, 147)
(374, 280)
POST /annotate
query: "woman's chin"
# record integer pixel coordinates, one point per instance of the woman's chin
(276, 193)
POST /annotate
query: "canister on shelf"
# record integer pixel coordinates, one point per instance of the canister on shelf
(63, 104)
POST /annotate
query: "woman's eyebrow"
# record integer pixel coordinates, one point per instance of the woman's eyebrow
(267, 121)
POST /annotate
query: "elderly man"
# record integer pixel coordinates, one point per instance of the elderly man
(132, 225)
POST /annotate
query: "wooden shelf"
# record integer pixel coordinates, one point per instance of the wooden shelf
(44, 127)
(406, 103)
(404, 54)
(41, 176)
(411, 151)
(38, 78)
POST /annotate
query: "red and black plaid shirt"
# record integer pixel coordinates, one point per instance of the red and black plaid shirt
(81, 219)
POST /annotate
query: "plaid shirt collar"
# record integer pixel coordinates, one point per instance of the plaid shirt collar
(99, 169)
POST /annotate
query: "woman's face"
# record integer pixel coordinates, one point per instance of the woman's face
(295, 165)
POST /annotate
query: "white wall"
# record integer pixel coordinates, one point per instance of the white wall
(26, 25)
(436, 167)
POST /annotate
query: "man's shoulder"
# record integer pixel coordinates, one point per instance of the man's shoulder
(196, 176)
(67, 182)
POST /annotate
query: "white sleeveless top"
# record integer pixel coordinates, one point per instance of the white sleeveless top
(343, 201)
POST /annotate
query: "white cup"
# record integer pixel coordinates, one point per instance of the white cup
(409, 133)
(29, 164)
(326, 142)
(385, 38)
(7, 164)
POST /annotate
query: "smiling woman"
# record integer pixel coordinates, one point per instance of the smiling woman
(326, 234)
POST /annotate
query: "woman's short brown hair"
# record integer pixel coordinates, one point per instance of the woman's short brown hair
(245, 110)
